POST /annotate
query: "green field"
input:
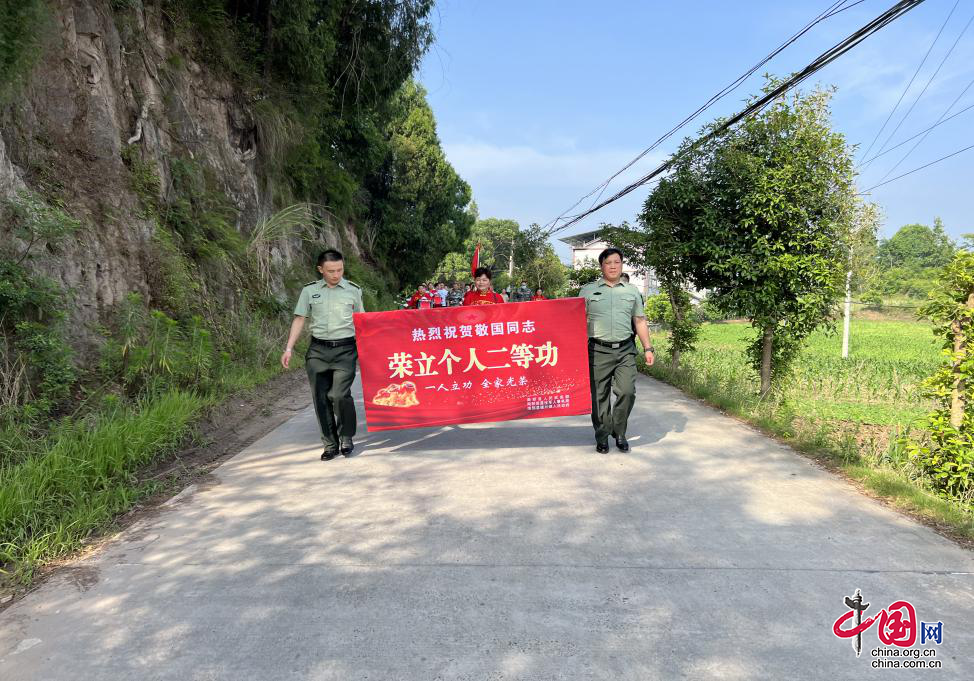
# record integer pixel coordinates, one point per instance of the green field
(846, 413)
(876, 387)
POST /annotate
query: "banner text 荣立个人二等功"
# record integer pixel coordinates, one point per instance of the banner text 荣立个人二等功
(472, 364)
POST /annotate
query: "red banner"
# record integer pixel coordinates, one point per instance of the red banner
(474, 363)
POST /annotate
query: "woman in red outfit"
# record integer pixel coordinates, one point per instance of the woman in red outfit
(482, 294)
(421, 300)
(538, 295)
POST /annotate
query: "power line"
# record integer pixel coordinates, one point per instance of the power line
(831, 11)
(910, 84)
(910, 172)
(942, 61)
(823, 60)
(939, 122)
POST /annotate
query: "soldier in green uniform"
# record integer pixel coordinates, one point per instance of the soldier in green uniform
(332, 355)
(613, 309)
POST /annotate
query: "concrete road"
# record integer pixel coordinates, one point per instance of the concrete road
(501, 551)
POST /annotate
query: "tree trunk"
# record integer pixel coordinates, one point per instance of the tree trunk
(767, 345)
(678, 320)
(848, 315)
(957, 398)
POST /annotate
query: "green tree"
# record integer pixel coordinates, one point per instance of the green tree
(338, 119)
(947, 451)
(863, 246)
(545, 271)
(583, 273)
(454, 267)
(773, 229)
(910, 261)
(667, 242)
(917, 246)
(421, 202)
(497, 239)
(504, 247)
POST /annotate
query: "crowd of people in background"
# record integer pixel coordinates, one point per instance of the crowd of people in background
(476, 292)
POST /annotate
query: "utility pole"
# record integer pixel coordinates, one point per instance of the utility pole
(848, 313)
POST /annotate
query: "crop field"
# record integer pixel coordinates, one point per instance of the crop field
(874, 391)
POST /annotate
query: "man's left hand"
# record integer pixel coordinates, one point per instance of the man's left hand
(650, 358)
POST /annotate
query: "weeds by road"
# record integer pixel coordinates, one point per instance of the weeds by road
(846, 412)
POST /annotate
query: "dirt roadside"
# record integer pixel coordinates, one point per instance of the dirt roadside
(225, 430)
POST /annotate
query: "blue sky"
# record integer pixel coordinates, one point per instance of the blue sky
(537, 101)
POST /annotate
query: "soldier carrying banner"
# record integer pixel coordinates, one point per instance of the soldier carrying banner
(613, 310)
(330, 362)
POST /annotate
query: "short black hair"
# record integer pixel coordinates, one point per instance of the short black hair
(607, 252)
(329, 255)
(485, 271)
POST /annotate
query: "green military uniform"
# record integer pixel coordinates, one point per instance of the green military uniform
(611, 353)
(332, 355)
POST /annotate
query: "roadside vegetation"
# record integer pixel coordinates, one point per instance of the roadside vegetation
(347, 142)
(767, 221)
(854, 414)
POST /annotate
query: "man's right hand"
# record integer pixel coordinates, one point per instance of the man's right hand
(286, 359)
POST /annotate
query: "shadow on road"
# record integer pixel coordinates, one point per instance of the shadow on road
(710, 552)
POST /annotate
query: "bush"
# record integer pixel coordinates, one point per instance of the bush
(376, 291)
(708, 312)
(34, 348)
(872, 299)
(36, 221)
(946, 453)
(200, 215)
(22, 24)
(658, 309)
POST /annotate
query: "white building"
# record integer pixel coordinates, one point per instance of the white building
(588, 245)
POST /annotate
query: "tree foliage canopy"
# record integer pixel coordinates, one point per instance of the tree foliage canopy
(946, 451)
(917, 246)
(330, 83)
(762, 217)
(910, 261)
(502, 244)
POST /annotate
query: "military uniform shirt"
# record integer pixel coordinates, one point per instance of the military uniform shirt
(330, 308)
(610, 309)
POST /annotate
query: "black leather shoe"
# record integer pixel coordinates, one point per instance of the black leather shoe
(622, 444)
(347, 447)
(602, 447)
(329, 454)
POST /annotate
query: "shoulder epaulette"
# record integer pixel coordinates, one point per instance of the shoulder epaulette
(312, 283)
(353, 283)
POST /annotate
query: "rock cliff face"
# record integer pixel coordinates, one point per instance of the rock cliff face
(113, 89)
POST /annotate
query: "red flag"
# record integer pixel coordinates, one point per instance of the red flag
(475, 263)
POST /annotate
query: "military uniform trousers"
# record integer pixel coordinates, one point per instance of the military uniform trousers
(331, 372)
(612, 370)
